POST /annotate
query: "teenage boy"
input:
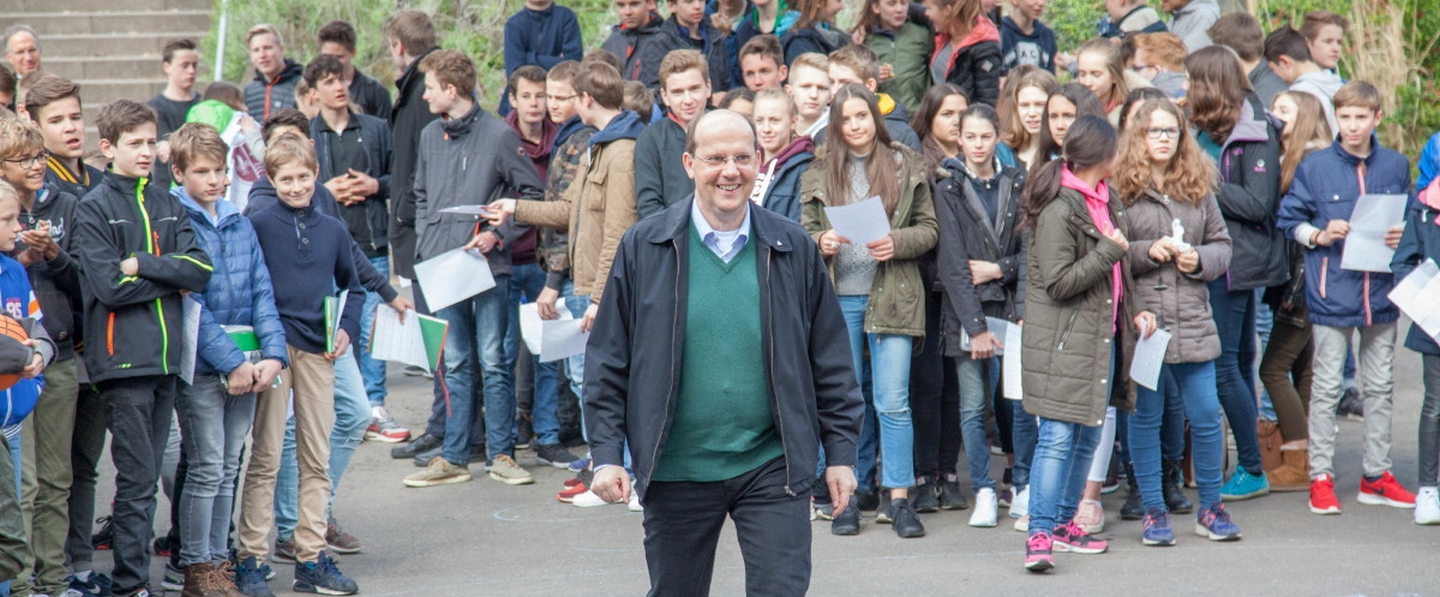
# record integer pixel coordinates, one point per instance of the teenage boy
(337, 38)
(308, 256)
(446, 176)
(762, 63)
(1123, 17)
(1026, 40)
(809, 84)
(54, 104)
(411, 36)
(354, 155)
(137, 254)
(180, 59)
(1159, 58)
(596, 211)
(1241, 32)
(687, 23)
(275, 75)
(858, 64)
(1190, 18)
(46, 252)
(1316, 213)
(1289, 57)
(1324, 33)
(541, 34)
(639, 42)
(217, 409)
(660, 179)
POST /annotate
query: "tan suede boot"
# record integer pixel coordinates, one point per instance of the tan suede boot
(1293, 474)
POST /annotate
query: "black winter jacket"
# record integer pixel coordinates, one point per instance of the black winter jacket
(1249, 197)
(641, 49)
(133, 324)
(407, 119)
(966, 233)
(632, 371)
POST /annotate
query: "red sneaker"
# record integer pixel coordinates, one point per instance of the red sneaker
(1322, 495)
(1386, 491)
(568, 495)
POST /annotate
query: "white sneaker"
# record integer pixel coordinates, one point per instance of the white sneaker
(987, 508)
(634, 503)
(589, 500)
(1020, 506)
(1427, 506)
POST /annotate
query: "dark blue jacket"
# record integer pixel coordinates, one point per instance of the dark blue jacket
(802, 40)
(308, 257)
(634, 351)
(1325, 188)
(366, 221)
(641, 49)
(782, 196)
(543, 38)
(56, 282)
(713, 46)
(1421, 241)
(239, 291)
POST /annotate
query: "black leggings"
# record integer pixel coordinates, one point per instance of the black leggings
(934, 401)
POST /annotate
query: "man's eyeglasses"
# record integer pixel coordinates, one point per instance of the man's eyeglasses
(719, 161)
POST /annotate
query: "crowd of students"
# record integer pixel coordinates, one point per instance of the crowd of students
(1195, 175)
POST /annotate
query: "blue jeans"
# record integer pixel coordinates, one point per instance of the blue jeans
(1235, 369)
(890, 384)
(352, 416)
(1190, 386)
(975, 391)
(213, 426)
(372, 370)
(1024, 432)
(575, 366)
(475, 359)
(527, 281)
(1063, 452)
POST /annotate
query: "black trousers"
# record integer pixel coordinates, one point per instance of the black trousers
(139, 411)
(934, 401)
(682, 528)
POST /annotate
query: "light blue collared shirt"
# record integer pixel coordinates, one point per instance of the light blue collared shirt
(725, 245)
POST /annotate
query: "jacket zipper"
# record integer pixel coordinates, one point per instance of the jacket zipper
(674, 380)
(1365, 277)
(1069, 327)
(152, 243)
(1324, 276)
(774, 394)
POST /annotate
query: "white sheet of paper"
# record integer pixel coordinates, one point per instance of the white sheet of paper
(396, 340)
(469, 210)
(188, 352)
(561, 338)
(1365, 249)
(1010, 363)
(1418, 295)
(453, 276)
(1149, 358)
(532, 328)
(999, 327)
(860, 223)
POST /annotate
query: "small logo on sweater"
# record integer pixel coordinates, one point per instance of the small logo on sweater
(987, 65)
(168, 219)
(119, 221)
(1259, 165)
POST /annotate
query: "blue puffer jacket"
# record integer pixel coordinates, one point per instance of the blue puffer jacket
(1326, 186)
(1429, 162)
(239, 291)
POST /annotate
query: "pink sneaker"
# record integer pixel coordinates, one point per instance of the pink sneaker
(1038, 553)
(1074, 539)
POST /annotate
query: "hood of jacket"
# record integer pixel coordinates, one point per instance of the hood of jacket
(567, 128)
(290, 69)
(225, 212)
(650, 27)
(548, 131)
(983, 31)
(796, 147)
(456, 128)
(626, 125)
(1252, 125)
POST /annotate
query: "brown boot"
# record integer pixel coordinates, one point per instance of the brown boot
(1293, 474)
(208, 580)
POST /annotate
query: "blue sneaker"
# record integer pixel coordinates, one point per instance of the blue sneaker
(94, 585)
(322, 577)
(250, 578)
(1214, 524)
(1243, 486)
(578, 465)
(1157, 528)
